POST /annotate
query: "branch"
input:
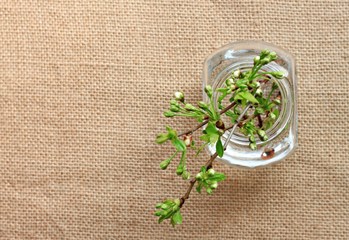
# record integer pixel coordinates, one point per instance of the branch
(194, 129)
(209, 162)
(193, 180)
(231, 105)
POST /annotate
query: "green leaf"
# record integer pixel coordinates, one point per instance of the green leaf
(211, 128)
(171, 133)
(176, 218)
(247, 96)
(267, 123)
(161, 138)
(205, 138)
(211, 134)
(201, 148)
(229, 113)
(233, 117)
(158, 205)
(179, 144)
(158, 213)
(214, 138)
(219, 148)
(198, 188)
(165, 206)
(222, 90)
(209, 191)
(218, 177)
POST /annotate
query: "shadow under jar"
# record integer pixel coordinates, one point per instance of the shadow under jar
(282, 135)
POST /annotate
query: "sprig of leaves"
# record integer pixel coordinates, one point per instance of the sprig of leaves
(180, 146)
(169, 209)
(241, 89)
(208, 179)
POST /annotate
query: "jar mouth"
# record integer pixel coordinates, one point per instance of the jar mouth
(285, 104)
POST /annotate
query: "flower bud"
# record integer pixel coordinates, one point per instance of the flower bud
(165, 206)
(233, 87)
(208, 91)
(262, 135)
(276, 101)
(161, 138)
(265, 52)
(255, 84)
(203, 105)
(175, 208)
(185, 175)
(273, 55)
(188, 139)
(252, 138)
(278, 75)
(253, 146)
(199, 176)
(214, 185)
(266, 60)
(180, 169)
(173, 108)
(229, 82)
(164, 164)
(177, 201)
(259, 110)
(237, 73)
(260, 132)
(209, 191)
(174, 103)
(169, 114)
(259, 92)
(256, 59)
(179, 96)
(189, 107)
(272, 116)
(211, 172)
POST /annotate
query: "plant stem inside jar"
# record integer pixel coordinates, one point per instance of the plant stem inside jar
(265, 120)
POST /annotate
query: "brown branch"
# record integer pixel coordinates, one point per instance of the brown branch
(227, 108)
(192, 181)
(260, 121)
(194, 129)
(209, 162)
(186, 195)
(206, 121)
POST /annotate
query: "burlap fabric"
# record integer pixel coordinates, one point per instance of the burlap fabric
(82, 88)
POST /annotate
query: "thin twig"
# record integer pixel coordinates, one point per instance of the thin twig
(194, 129)
(260, 121)
(206, 121)
(212, 158)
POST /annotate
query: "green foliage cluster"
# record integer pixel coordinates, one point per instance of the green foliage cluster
(242, 90)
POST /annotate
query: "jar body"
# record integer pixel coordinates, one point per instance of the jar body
(283, 134)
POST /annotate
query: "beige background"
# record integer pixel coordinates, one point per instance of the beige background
(82, 88)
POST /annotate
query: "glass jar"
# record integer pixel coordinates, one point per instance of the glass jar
(283, 134)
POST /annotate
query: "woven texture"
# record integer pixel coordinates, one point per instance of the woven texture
(83, 85)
